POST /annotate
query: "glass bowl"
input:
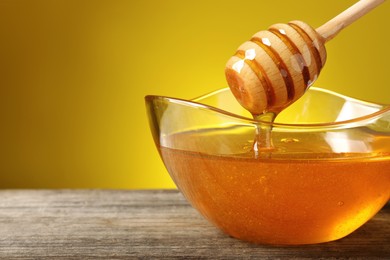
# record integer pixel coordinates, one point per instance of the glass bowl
(328, 171)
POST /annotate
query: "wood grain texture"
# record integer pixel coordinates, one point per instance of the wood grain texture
(331, 28)
(119, 224)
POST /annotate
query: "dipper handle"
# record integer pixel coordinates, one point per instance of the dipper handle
(331, 28)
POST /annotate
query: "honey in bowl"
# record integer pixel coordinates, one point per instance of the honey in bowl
(320, 182)
(295, 199)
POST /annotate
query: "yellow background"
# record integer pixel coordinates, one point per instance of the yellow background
(73, 76)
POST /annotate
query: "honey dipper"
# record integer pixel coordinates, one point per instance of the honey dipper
(276, 66)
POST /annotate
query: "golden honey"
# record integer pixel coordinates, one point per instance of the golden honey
(288, 200)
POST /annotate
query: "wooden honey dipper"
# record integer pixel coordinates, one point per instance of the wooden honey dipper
(276, 66)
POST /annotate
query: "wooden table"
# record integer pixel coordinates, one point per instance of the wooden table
(120, 224)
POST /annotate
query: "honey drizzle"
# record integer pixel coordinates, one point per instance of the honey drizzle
(263, 146)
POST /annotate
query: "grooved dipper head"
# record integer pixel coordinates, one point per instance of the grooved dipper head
(275, 67)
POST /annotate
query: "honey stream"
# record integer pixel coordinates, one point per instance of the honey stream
(263, 145)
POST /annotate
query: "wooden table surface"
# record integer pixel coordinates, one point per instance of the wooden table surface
(122, 224)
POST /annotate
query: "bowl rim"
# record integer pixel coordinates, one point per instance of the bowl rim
(195, 102)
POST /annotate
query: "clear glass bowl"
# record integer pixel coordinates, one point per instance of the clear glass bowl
(327, 174)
